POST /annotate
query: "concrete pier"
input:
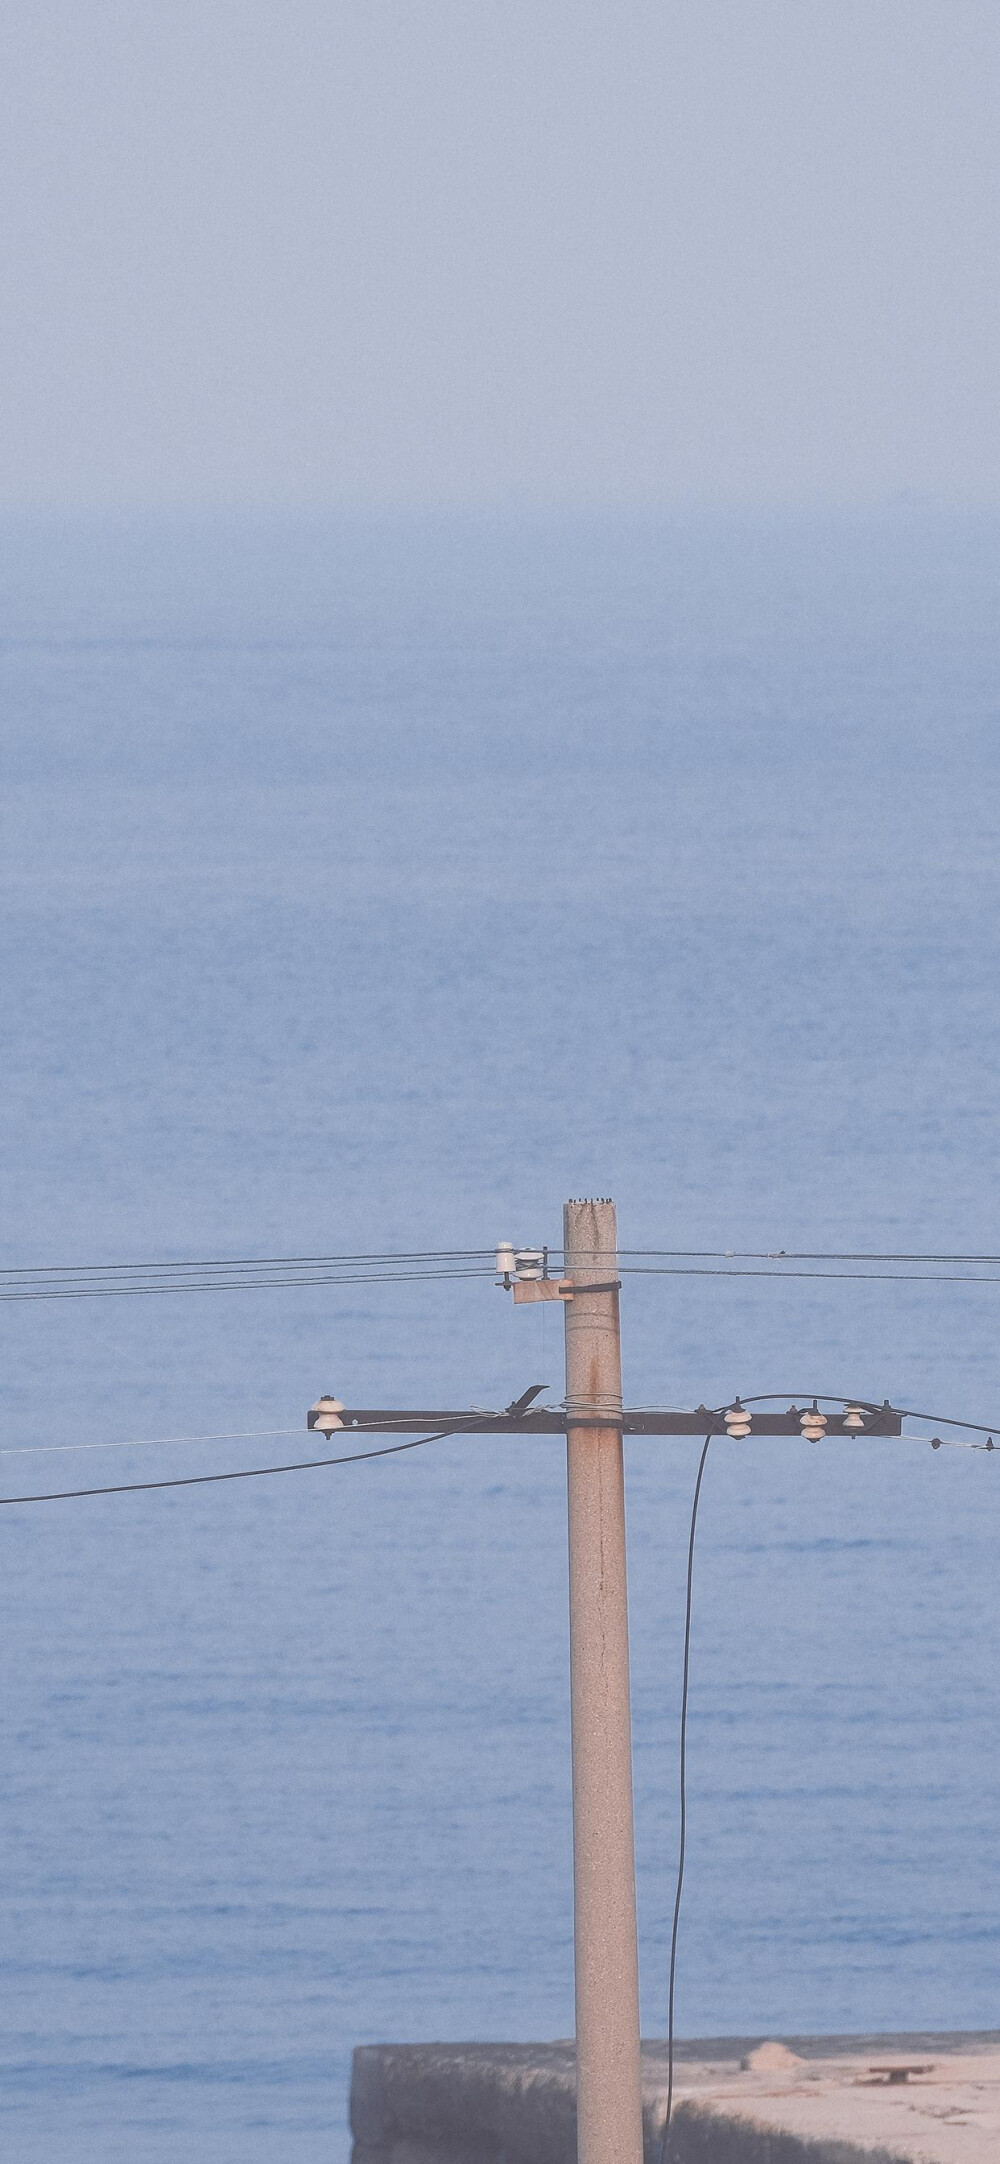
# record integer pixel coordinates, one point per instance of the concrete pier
(875, 2099)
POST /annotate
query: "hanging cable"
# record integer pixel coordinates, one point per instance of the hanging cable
(256, 1472)
(682, 1839)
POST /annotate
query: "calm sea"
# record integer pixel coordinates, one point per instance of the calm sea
(374, 888)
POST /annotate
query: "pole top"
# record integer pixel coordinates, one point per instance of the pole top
(590, 1227)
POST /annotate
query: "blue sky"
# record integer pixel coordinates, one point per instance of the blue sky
(371, 253)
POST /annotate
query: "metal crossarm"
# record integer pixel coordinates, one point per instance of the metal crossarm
(381, 1420)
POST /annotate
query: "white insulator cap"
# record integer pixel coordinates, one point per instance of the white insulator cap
(505, 1258)
(737, 1421)
(528, 1261)
(325, 1415)
(813, 1424)
(854, 1417)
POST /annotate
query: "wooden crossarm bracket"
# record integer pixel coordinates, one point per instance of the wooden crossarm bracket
(526, 1289)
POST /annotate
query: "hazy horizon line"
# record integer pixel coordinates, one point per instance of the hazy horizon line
(499, 510)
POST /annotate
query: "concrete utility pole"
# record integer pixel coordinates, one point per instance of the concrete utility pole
(609, 2095)
(609, 2092)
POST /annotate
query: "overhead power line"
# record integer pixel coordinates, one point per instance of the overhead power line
(246, 1262)
(145, 1442)
(269, 1273)
(893, 1277)
(234, 1283)
(468, 1425)
(781, 1254)
(27, 1290)
(594, 1423)
(226, 1435)
(204, 1480)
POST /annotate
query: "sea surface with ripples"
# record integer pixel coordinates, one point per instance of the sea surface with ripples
(373, 887)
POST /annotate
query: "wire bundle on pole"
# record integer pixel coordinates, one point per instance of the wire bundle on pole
(267, 1273)
(91, 1281)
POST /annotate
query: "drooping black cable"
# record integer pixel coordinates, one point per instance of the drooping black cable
(682, 1839)
(256, 1472)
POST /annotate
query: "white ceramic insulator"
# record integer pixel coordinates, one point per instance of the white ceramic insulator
(327, 1411)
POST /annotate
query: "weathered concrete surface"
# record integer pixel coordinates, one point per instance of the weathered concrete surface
(830, 2103)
